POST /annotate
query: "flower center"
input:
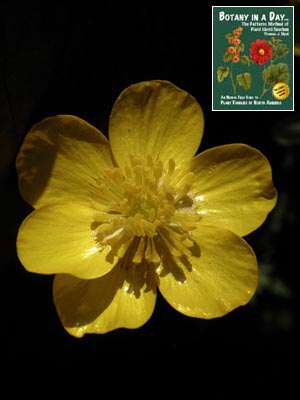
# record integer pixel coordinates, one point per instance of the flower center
(261, 51)
(145, 212)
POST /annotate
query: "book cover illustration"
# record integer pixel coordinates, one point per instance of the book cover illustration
(252, 58)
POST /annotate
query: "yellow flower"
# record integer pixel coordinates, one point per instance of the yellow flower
(117, 220)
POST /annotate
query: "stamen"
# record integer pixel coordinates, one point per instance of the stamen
(170, 243)
(151, 254)
(145, 214)
(139, 254)
(171, 168)
(128, 171)
(150, 161)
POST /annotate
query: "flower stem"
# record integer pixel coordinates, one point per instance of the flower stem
(232, 81)
(264, 90)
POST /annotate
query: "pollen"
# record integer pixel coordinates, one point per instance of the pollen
(141, 212)
(261, 51)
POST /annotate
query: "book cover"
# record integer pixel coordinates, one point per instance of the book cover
(253, 58)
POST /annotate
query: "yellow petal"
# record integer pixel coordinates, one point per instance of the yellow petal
(59, 239)
(158, 119)
(100, 305)
(60, 160)
(233, 185)
(221, 277)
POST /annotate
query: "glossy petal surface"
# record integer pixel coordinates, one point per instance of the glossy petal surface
(60, 160)
(116, 220)
(59, 239)
(118, 299)
(155, 118)
(233, 184)
(220, 278)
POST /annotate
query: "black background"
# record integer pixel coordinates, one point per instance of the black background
(62, 57)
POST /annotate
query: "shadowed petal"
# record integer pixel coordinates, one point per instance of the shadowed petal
(118, 299)
(222, 277)
(60, 160)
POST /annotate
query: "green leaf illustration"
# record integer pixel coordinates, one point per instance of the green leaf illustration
(276, 73)
(280, 50)
(245, 60)
(222, 73)
(241, 47)
(228, 35)
(274, 40)
(244, 80)
(227, 57)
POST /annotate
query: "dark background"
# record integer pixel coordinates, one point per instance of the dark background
(74, 58)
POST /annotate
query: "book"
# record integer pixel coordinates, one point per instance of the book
(253, 58)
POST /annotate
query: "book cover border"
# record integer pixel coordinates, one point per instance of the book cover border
(292, 50)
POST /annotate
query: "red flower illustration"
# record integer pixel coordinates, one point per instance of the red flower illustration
(260, 51)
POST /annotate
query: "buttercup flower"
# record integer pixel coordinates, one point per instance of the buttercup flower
(116, 220)
(260, 51)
